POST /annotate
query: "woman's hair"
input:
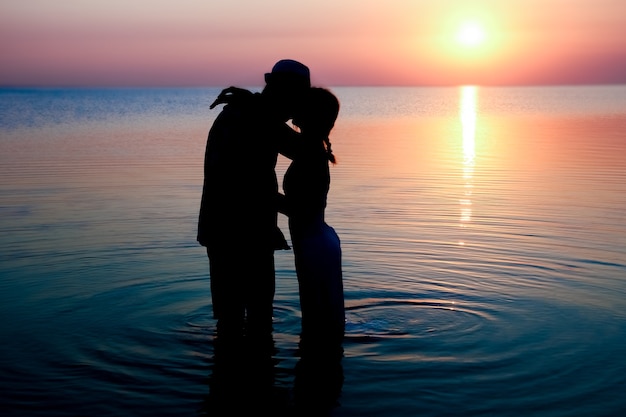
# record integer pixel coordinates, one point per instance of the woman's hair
(322, 108)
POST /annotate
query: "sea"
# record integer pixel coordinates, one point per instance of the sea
(483, 234)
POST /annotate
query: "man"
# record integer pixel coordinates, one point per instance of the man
(238, 211)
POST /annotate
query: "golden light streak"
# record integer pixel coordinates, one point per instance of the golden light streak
(468, 115)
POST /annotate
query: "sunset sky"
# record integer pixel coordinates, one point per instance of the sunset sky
(344, 42)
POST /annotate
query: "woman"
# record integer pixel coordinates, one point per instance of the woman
(316, 246)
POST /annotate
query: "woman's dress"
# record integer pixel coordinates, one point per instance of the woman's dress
(316, 246)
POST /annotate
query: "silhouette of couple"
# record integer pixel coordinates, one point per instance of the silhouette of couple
(238, 226)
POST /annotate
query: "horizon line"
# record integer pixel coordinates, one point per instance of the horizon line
(182, 86)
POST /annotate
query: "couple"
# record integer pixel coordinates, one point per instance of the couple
(240, 204)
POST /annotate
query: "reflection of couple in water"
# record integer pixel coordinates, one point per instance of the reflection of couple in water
(238, 226)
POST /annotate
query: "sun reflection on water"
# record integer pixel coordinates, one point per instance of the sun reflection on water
(467, 112)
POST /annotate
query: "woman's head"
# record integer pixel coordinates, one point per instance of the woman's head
(316, 116)
(318, 112)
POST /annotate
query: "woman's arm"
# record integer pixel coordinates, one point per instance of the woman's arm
(230, 94)
(288, 141)
(281, 204)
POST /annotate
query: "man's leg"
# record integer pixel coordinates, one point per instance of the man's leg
(226, 293)
(259, 293)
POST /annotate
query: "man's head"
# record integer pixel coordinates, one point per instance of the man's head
(285, 86)
(289, 73)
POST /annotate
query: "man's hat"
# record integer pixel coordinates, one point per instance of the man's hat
(289, 69)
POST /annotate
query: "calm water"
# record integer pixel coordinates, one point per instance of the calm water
(484, 239)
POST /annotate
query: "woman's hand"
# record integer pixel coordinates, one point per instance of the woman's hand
(230, 94)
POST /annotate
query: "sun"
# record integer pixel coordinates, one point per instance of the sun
(471, 34)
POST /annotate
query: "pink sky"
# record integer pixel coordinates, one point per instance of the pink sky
(344, 42)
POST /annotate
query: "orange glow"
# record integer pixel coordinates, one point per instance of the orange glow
(482, 42)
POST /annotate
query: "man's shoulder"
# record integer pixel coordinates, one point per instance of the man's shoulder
(240, 116)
